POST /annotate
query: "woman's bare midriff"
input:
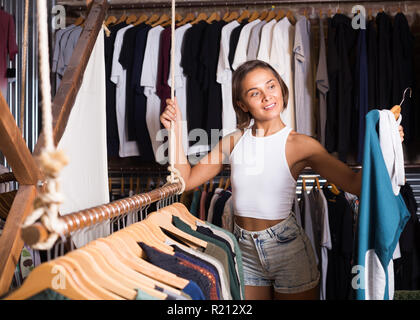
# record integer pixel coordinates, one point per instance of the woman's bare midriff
(253, 224)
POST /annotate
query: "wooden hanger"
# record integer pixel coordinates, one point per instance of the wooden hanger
(143, 18)
(305, 13)
(134, 254)
(153, 18)
(244, 15)
(114, 261)
(263, 15)
(227, 184)
(178, 18)
(107, 278)
(91, 285)
(329, 13)
(122, 186)
(201, 17)
(110, 20)
(138, 232)
(138, 185)
(122, 18)
(338, 11)
(131, 184)
(254, 16)
(149, 184)
(280, 15)
(79, 21)
(232, 16)
(110, 184)
(333, 188)
(211, 185)
(317, 183)
(369, 14)
(290, 16)
(188, 18)
(215, 16)
(163, 18)
(304, 184)
(45, 277)
(131, 19)
(163, 219)
(221, 182)
(180, 210)
(270, 16)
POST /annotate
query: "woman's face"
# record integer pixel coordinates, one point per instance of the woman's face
(261, 95)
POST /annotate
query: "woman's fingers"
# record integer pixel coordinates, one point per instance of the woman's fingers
(401, 130)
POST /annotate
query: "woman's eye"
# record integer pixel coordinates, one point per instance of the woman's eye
(254, 94)
(272, 86)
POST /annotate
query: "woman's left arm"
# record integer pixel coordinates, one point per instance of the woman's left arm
(332, 169)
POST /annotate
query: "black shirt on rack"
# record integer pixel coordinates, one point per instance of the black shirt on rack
(209, 57)
(140, 100)
(341, 92)
(113, 141)
(127, 59)
(233, 41)
(340, 216)
(190, 62)
(385, 76)
(372, 52)
(403, 72)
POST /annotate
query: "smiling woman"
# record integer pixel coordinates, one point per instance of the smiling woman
(266, 157)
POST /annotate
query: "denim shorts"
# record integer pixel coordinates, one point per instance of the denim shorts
(280, 256)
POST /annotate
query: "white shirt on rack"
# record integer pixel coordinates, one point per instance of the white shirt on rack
(224, 77)
(281, 59)
(265, 41)
(118, 76)
(148, 81)
(242, 47)
(181, 82)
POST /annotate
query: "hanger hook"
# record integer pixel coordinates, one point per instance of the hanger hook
(411, 91)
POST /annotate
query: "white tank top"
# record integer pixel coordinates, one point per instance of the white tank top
(262, 184)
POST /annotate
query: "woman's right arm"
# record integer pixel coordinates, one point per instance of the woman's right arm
(208, 167)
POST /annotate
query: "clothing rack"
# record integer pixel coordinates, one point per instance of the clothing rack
(216, 3)
(92, 216)
(23, 164)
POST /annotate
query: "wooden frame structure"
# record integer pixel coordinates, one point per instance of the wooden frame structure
(14, 148)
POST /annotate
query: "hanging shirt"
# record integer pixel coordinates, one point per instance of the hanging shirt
(58, 35)
(113, 143)
(69, 48)
(361, 90)
(391, 146)
(181, 82)
(141, 133)
(242, 47)
(385, 77)
(126, 58)
(265, 41)
(162, 88)
(148, 82)
(382, 217)
(403, 73)
(224, 77)
(84, 181)
(322, 235)
(8, 47)
(233, 41)
(322, 84)
(119, 77)
(196, 99)
(304, 84)
(281, 59)
(209, 57)
(254, 41)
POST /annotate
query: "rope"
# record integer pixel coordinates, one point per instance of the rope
(51, 161)
(175, 176)
(24, 63)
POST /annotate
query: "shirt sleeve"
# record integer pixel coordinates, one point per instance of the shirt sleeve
(12, 47)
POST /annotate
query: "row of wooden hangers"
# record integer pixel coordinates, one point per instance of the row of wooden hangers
(112, 268)
(333, 187)
(151, 182)
(165, 20)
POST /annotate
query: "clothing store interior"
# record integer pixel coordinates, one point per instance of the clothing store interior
(94, 206)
